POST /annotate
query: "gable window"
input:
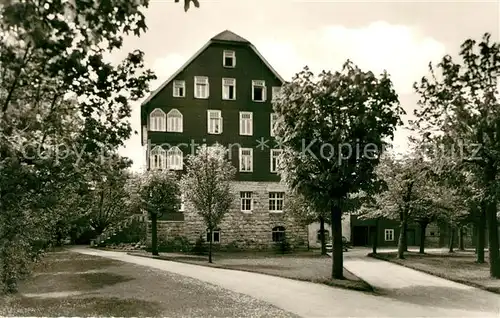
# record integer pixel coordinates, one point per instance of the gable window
(179, 89)
(174, 121)
(214, 124)
(183, 203)
(157, 158)
(278, 233)
(258, 91)
(246, 123)
(276, 200)
(275, 153)
(275, 92)
(246, 159)
(174, 159)
(229, 59)
(389, 234)
(228, 89)
(246, 201)
(157, 120)
(272, 123)
(215, 236)
(201, 87)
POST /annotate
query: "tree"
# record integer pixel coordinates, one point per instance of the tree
(206, 185)
(333, 131)
(159, 195)
(460, 101)
(302, 211)
(412, 192)
(108, 199)
(63, 110)
(188, 2)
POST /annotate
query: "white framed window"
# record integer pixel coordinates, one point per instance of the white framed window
(214, 121)
(246, 201)
(278, 233)
(246, 159)
(179, 88)
(228, 59)
(157, 158)
(228, 89)
(276, 200)
(183, 203)
(201, 87)
(272, 122)
(259, 91)
(174, 121)
(215, 236)
(246, 123)
(389, 234)
(275, 92)
(157, 120)
(275, 153)
(174, 158)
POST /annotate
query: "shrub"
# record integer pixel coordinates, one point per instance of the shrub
(232, 247)
(176, 244)
(283, 246)
(134, 232)
(199, 247)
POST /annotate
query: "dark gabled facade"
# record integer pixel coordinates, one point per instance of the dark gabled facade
(223, 94)
(208, 62)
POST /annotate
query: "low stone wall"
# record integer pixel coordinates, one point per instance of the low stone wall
(241, 230)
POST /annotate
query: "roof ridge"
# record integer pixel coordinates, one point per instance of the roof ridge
(229, 36)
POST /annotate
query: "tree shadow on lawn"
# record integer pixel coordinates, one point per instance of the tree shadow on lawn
(72, 282)
(445, 297)
(256, 267)
(72, 262)
(80, 306)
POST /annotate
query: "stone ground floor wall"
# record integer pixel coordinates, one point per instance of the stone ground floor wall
(238, 229)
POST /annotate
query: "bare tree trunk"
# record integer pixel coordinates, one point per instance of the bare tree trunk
(491, 218)
(405, 238)
(337, 255)
(461, 245)
(480, 240)
(423, 226)
(402, 236)
(154, 234)
(375, 237)
(322, 235)
(451, 239)
(210, 247)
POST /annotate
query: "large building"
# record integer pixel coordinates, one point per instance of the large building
(223, 95)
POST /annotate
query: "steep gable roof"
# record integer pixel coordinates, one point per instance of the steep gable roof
(224, 36)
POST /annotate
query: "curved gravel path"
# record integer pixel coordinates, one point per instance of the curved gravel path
(316, 300)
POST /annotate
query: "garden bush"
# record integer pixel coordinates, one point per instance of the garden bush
(200, 247)
(283, 246)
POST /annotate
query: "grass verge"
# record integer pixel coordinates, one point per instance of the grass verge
(460, 267)
(309, 269)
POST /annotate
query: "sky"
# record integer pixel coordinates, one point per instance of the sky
(401, 37)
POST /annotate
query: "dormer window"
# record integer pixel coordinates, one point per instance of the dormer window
(229, 59)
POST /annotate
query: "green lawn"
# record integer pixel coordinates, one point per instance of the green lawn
(305, 265)
(459, 266)
(71, 284)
